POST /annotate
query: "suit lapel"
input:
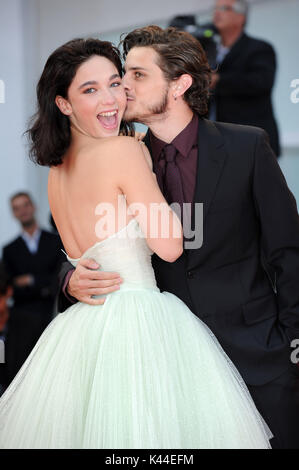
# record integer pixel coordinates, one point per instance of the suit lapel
(211, 158)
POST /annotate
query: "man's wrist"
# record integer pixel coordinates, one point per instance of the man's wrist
(65, 286)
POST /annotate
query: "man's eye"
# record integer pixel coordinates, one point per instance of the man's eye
(89, 90)
(115, 84)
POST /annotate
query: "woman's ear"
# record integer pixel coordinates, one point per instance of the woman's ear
(63, 105)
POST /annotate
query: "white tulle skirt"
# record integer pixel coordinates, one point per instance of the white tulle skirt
(140, 371)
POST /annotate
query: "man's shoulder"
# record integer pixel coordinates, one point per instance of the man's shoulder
(238, 130)
(239, 139)
(48, 233)
(257, 44)
(49, 236)
(11, 245)
(230, 131)
(238, 143)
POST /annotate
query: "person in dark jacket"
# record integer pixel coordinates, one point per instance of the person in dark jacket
(244, 77)
(18, 332)
(33, 261)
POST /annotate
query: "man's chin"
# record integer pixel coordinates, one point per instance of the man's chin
(131, 118)
(128, 115)
(27, 223)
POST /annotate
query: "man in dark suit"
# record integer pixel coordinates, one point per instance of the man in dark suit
(18, 333)
(243, 280)
(5, 294)
(32, 261)
(242, 84)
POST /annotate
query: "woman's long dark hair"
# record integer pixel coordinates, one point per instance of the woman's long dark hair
(50, 134)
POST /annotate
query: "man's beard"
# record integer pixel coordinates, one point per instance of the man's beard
(152, 110)
(28, 223)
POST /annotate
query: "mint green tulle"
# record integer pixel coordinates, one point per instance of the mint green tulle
(139, 371)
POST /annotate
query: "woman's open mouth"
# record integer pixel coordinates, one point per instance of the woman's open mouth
(108, 119)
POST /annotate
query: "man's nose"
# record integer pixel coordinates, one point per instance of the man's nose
(126, 83)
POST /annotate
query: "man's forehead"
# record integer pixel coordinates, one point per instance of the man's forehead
(20, 200)
(143, 57)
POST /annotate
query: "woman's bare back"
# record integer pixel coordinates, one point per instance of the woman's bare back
(91, 180)
(80, 190)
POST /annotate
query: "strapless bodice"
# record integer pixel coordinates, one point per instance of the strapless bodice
(127, 253)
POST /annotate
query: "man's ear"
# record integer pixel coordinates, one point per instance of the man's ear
(181, 85)
(63, 105)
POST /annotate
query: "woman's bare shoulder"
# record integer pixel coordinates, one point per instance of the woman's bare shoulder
(115, 147)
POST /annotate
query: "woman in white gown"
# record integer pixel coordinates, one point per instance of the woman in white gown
(140, 370)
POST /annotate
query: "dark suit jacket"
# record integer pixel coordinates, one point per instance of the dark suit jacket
(243, 93)
(250, 222)
(23, 330)
(43, 265)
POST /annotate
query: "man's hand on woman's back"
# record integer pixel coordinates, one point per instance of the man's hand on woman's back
(86, 281)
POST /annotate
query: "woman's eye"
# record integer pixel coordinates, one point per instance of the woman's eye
(89, 90)
(138, 74)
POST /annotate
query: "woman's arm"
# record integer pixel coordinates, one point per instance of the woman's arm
(134, 177)
(148, 158)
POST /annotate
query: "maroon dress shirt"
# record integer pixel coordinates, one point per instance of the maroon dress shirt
(186, 143)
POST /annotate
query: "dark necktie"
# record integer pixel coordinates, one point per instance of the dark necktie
(171, 177)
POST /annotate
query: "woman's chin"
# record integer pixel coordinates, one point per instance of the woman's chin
(110, 132)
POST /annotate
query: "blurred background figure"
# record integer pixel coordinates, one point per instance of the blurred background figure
(18, 332)
(32, 261)
(5, 294)
(205, 33)
(242, 83)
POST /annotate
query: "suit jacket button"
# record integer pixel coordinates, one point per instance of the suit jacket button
(190, 275)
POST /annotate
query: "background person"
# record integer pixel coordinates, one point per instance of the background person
(32, 261)
(19, 332)
(243, 81)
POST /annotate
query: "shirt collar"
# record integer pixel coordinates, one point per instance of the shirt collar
(183, 142)
(35, 236)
